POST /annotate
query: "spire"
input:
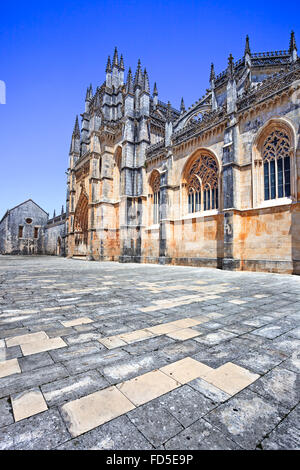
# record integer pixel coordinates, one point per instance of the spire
(155, 92)
(115, 59)
(146, 86)
(292, 42)
(212, 73)
(230, 69)
(54, 215)
(76, 131)
(122, 63)
(129, 83)
(138, 79)
(247, 46)
(91, 91)
(87, 95)
(62, 209)
(182, 107)
(108, 66)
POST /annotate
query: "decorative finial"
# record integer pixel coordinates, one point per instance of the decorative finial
(146, 86)
(115, 59)
(76, 131)
(155, 92)
(293, 46)
(62, 209)
(108, 66)
(138, 79)
(247, 46)
(129, 83)
(212, 73)
(182, 107)
(54, 215)
(121, 66)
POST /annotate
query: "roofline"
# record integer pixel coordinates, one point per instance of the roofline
(24, 202)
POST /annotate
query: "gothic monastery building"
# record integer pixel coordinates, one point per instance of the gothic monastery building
(217, 184)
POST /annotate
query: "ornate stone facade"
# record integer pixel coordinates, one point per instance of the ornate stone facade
(217, 184)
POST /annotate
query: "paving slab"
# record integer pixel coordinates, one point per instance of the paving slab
(118, 434)
(155, 423)
(86, 413)
(148, 386)
(28, 403)
(246, 418)
(286, 436)
(186, 369)
(44, 431)
(280, 385)
(9, 367)
(201, 436)
(185, 404)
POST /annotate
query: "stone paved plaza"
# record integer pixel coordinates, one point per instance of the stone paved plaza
(127, 356)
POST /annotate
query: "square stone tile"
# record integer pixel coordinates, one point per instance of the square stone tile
(215, 338)
(187, 322)
(43, 431)
(246, 418)
(163, 329)
(148, 386)
(185, 404)
(286, 436)
(9, 367)
(201, 318)
(118, 434)
(77, 321)
(186, 333)
(137, 335)
(111, 342)
(155, 422)
(41, 346)
(91, 411)
(230, 378)
(28, 403)
(186, 369)
(280, 385)
(35, 362)
(25, 339)
(201, 436)
(258, 361)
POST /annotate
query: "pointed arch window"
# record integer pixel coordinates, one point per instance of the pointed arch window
(155, 185)
(203, 184)
(276, 153)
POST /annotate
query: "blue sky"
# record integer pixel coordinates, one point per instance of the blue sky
(52, 50)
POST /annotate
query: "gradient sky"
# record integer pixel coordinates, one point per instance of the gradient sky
(50, 51)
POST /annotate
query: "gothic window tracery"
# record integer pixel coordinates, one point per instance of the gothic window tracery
(276, 152)
(203, 184)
